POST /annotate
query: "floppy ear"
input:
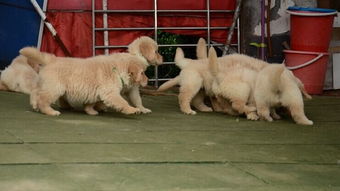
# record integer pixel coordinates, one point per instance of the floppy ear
(147, 50)
(135, 72)
(144, 80)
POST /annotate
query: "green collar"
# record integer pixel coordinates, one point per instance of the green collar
(121, 79)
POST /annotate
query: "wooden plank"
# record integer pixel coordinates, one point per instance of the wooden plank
(36, 134)
(164, 153)
(167, 150)
(295, 174)
(36, 178)
(13, 153)
(8, 138)
(167, 177)
(126, 177)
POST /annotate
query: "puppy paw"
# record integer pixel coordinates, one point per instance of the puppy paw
(191, 112)
(266, 118)
(145, 110)
(36, 109)
(206, 109)
(53, 113)
(92, 112)
(131, 110)
(305, 122)
(252, 116)
(276, 116)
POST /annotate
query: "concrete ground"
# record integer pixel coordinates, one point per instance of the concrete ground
(166, 150)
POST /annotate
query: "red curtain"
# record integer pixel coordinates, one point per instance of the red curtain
(75, 28)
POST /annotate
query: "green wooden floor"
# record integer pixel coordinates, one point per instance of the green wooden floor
(166, 150)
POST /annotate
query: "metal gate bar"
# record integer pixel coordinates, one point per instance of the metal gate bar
(155, 12)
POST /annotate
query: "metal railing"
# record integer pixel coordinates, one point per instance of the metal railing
(155, 28)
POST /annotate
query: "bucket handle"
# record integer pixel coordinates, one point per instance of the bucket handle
(304, 64)
(311, 13)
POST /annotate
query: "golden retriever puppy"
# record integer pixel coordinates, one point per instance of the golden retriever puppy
(217, 104)
(20, 76)
(86, 81)
(234, 83)
(130, 93)
(276, 86)
(193, 77)
(146, 48)
(245, 87)
(187, 97)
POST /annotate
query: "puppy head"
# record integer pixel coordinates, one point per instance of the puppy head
(148, 48)
(137, 75)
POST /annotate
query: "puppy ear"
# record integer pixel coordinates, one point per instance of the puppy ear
(144, 80)
(146, 50)
(135, 72)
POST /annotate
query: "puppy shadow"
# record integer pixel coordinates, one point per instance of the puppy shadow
(81, 113)
(119, 115)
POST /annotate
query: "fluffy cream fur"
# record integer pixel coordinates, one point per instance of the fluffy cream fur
(87, 81)
(20, 76)
(193, 77)
(190, 80)
(276, 86)
(234, 83)
(195, 74)
(146, 49)
(265, 86)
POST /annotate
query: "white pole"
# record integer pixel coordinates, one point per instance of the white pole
(105, 25)
(41, 29)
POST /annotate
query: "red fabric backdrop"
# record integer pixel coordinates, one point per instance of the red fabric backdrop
(75, 28)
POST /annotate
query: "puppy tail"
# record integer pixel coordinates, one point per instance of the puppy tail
(34, 55)
(201, 49)
(169, 84)
(213, 65)
(301, 87)
(180, 59)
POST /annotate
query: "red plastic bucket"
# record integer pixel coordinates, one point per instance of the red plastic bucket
(309, 67)
(311, 31)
